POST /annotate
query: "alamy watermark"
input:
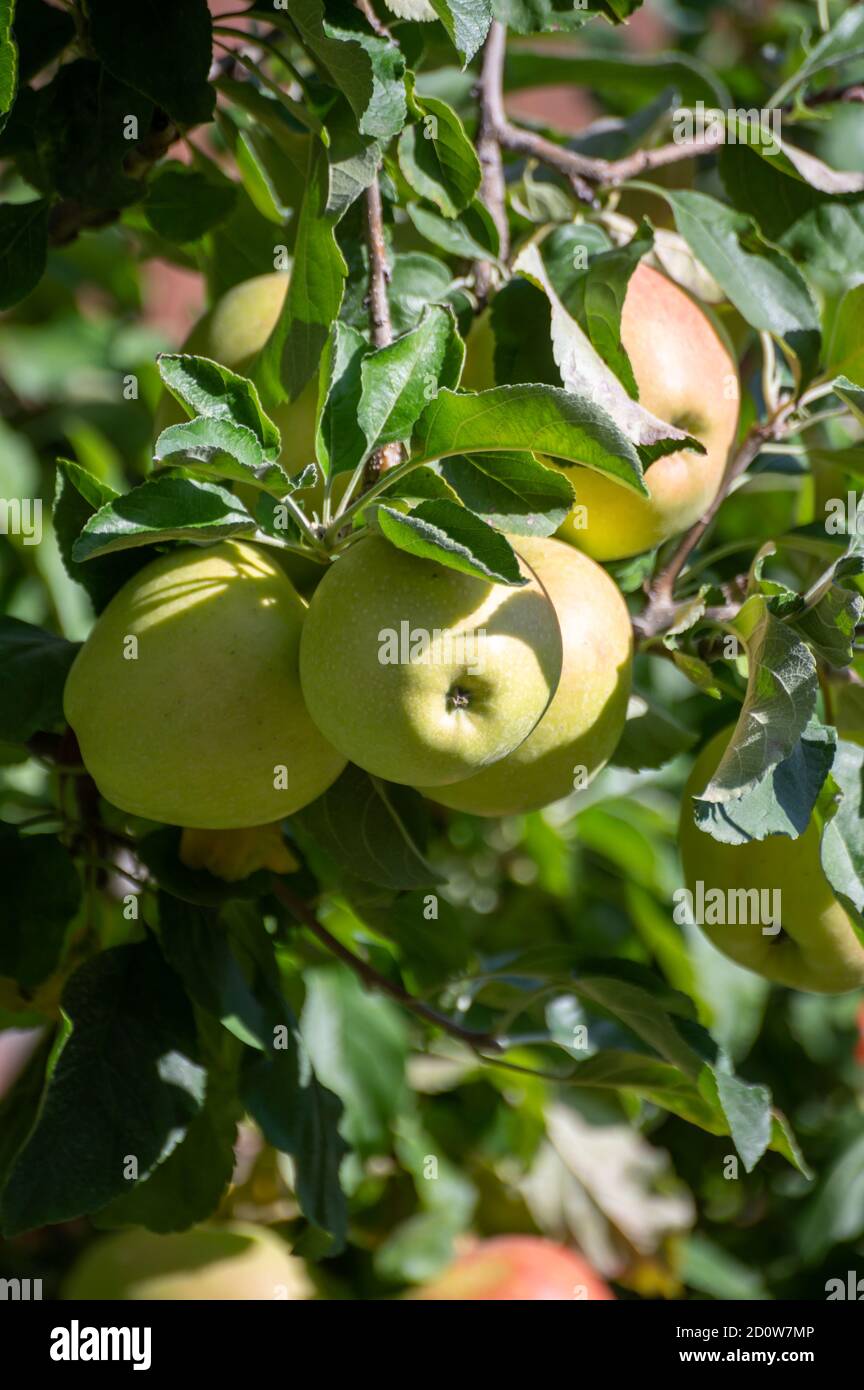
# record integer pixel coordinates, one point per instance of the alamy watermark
(21, 516)
(735, 126)
(407, 646)
(724, 907)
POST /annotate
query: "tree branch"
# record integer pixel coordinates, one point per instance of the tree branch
(379, 308)
(490, 92)
(371, 978)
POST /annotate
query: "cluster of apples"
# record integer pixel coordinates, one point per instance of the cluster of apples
(239, 1261)
(244, 701)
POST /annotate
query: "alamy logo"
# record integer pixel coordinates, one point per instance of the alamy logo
(419, 646)
(20, 1290)
(77, 1343)
(852, 1288)
(21, 516)
(735, 126)
(724, 907)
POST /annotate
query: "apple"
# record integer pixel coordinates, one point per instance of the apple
(584, 721)
(233, 333)
(518, 1269)
(186, 698)
(687, 377)
(235, 854)
(236, 1261)
(491, 663)
(817, 948)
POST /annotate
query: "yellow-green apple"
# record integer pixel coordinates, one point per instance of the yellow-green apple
(686, 377)
(816, 948)
(583, 723)
(518, 1269)
(421, 674)
(233, 332)
(236, 1262)
(235, 854)
(186, 697)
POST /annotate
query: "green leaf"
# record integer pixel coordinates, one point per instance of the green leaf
(651, 738)
(293, 351)
(354, 159)
(843, 41)
(160, 853)
(779, 803)
(340, 442)
(126, 1086)
(763, 284)
(372, 829)
(23, 249)
(164, 509)
(845, 354)
(269, 173)
(41, 895)
(450, 236)
(437, 158)
(781, 698)
(398, 381)
(528, 419)
(206, 388)
(467, 22)
(627, 80)
(835, 1212)
(453, 536)
(512, 492)
(182, 204)
(842, 849)
(33, 668)
(162, 49)
(851, 395)
(224, 450)
(8, 58)
(78, 495)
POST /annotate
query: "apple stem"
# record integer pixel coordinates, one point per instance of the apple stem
(479, 1042)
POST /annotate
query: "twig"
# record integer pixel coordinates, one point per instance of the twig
(371, 978)
(490, 93)
(379, 308)
(372, 19)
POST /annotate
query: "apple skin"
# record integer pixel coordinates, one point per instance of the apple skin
(584, 721)
(518, 1269)
(235, 854)
(236, 1262)
(399, 721)
(233, 332)
(817, 949)
(190, 733)
(684, 373)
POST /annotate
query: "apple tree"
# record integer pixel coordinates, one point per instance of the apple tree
(523, 324)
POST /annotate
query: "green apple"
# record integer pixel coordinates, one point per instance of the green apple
(236, 1262)
(517, 1269)
(817, 948)
(582, 725)
(233, 332)
(186, 698)
(686, 377)
(421, 674)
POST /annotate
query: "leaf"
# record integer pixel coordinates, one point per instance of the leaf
(33, 668)
(23, 249)
(372, 829)
(845, 355)
(835, 1212)
(341, 443)
(747, 1108)
(354, 159)
(781, 697)
(159, 851)
(532, 419)
(398, 381)
(451, 236)
(779, 803)
(293, 351)
(763, 283)
(842, 850)
(467, 22)
(437, 158)
(164, 509)
(512, 492)
(455, 537)
(41, 33)
(367, 70)
(843, 41)
(851, 395)
(77, 496)
(268, 171)
(182, 204)
(8, 59)
(162, 49)
(41, 895)
(583, 370)
(207, 388)
(628, 80)
(126, 1085)
(651, 737)
(224, 450)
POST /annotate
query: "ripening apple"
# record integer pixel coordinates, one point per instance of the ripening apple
(582, 725)
(236, 1262)
(421, 674)
(817, 948)
(186, 697)
(235, 854)
(233, 332)
(518, 1269)
(686, 377)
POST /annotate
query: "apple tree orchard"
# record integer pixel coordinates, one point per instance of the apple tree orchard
(576, 417)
